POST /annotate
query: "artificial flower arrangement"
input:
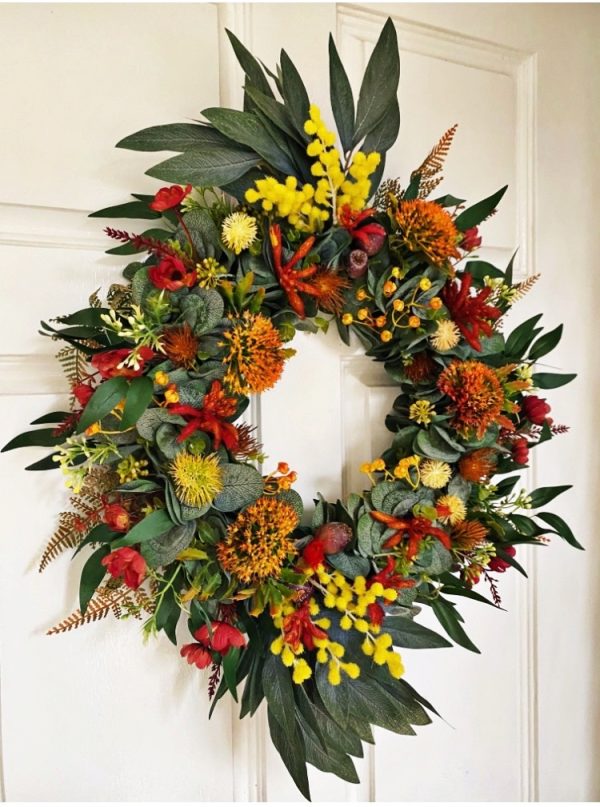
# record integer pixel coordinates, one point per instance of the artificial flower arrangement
(274, 224)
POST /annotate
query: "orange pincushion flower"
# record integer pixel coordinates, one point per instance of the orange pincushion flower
(329, 288)
(477, 465)
(469, 534)
(477, 396)
(180, 345)
(256, 356)
(257, 544)
(426, 227)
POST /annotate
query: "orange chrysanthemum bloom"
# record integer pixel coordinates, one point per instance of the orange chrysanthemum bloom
(469, 534)
(257, 544)
(426, 227)
(256, 356)
(477, 396)
(421, 368)
(180, 345)
(329, 291)
(477, 465)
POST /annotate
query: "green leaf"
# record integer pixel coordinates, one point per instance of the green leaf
(445, 612)
(153, 525)
(209, 167)
(203, 310)
(250, 65)
(274, 111)
(92, 575)
(350, 566)
(342, 100)
(245, 128)
(291, 750)
(545, 343)
(480, 269)
(163, 549)
(336, 699)
(430, 444)
(167, 616)
(151, 419)
(522, 337)
(379, 87)
(139, 396)
(231, 661)
(542, 496)
(103, 401)
(100, 534)
(326, 758)
(35, 437)
(384, 136)
(242, 485)
(294, 94)
(477, 213)
(407, 633)
(561, 528)
(279, 692)
(552, 380)
(46, 464)
(51, 417)
(129, 210)
(172, 137)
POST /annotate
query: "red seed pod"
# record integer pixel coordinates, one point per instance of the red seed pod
(333, 537)
(358, 261)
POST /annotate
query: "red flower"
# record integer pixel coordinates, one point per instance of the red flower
(196, 654)
(470, 312)
(210, 417)
(520, 451)
(172, 274)
(371, 236)
(298, 628)
(224, 637)
(125, 562)
(535, 409)
(328, 539)
(117, 518)
(471, 239)
(413, 530)
(389, 578)
(82, 392)
(107, 363)
(499, 565)
(293, 280)
(375, 613)
(166, 198)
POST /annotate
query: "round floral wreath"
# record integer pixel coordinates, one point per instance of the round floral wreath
(271, 228)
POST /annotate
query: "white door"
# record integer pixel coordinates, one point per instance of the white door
(94, 715)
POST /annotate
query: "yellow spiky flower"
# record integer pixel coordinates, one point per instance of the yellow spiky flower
(239, 231)
(258, 542)
(435, 474)
(197, 479)
(451, 509)
(446, 336)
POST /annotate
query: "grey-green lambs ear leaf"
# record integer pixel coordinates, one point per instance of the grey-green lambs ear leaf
(149, 422)
(203, 309)
(163, 549)
(242, 485)
(204, 233)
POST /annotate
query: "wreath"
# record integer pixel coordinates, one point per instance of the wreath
(269, 227)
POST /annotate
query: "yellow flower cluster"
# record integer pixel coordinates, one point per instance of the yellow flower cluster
(336, 187)
(421, 411)
(353, 600)
(307, 207)
(130, 469)
(404, 466)
(289, 201)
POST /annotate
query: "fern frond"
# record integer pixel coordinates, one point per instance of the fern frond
(73, 363)
(391, 187)
(119, 296)
(433, 163)
(108, 600)
(68, 535)
(94, 300)
(521, 289)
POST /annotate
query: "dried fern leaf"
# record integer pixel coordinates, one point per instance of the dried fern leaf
(391, 187)
(94, 300)
(433, 163)
(521, 289)
(108, 600)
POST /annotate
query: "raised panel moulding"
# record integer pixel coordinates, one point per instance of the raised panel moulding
(358, 26)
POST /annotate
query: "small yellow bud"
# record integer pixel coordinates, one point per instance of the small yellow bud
(351, 669)
(389, 288)
(386, 336)
(396, 272)
(322, 655)
(277, 646)
(361, 294)
(161, 378)
(424, 284)
(347, 319)
(414, 321)
(333, 674)
(93, 429)
(287, 656)
(390, 594)
(398, 305)
(376, 589)
(361, 625)
(345, 622)
(435, 303)
(362, 314)
(302, 671)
